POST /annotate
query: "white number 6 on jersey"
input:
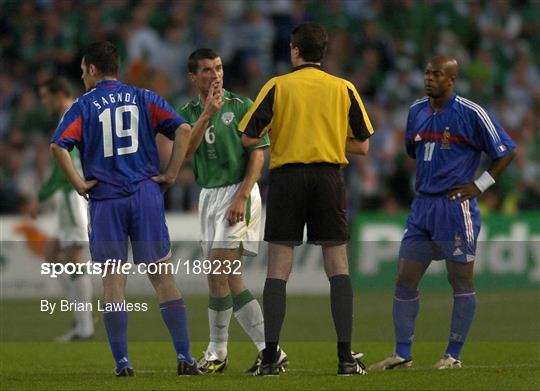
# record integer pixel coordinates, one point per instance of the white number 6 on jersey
(209, 136)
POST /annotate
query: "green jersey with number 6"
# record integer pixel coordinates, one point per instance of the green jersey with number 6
(221, 159)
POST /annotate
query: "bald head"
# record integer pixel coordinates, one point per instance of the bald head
(450, 65)
(440, 77)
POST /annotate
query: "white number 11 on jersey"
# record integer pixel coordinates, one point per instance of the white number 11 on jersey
(428, 151)
(132, 131)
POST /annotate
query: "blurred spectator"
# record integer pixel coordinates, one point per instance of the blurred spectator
(143, 44)
(211, 30)
(482, 74)
(285, 15)
(379, 45)
(531, 27)
(254, 39)
(170, 56)
(523, 83)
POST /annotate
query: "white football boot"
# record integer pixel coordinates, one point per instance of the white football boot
(392, 362)
(447, 362)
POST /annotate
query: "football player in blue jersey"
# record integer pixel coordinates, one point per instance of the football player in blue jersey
(446, 135)
(114, 127)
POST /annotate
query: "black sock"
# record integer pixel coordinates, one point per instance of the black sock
(274, 313)
(341, 299)
(270, 353)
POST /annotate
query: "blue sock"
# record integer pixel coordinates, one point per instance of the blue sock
(174, 316)
(406, 305)
(462, 317)
(116, 325)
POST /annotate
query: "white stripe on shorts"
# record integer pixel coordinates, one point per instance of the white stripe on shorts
(468, 221)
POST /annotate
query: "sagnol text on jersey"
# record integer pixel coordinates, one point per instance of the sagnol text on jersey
(120, 97)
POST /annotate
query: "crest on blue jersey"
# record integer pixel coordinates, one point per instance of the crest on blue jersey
(445, 142)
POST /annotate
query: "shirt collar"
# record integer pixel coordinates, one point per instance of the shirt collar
(108, 83)
(446, 106)
(450, 101)
(309, 65)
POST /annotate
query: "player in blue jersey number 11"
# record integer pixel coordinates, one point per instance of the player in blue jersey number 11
(446, 135)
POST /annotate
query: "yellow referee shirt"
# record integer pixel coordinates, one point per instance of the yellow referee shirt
(309, 114)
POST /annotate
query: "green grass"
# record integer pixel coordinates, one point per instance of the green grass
(503, 351)
(489, 365)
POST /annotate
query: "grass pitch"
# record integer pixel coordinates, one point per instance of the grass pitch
(503, 351)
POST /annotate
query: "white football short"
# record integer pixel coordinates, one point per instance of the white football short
(215, 229)
(72, 211)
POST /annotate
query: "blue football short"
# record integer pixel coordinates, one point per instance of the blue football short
(139, 217)
(439, 228)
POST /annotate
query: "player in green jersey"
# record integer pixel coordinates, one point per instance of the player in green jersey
(229, 204)
(72, 220)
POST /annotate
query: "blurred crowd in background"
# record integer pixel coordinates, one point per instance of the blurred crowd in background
(380, 46)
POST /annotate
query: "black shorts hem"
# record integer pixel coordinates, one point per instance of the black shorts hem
(288, 243)
(329, 243)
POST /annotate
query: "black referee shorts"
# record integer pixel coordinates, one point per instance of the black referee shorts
(312, 194)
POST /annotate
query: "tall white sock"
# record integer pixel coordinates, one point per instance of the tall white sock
(82, 292)
(248, 313)
(219, 318)
(67, 286)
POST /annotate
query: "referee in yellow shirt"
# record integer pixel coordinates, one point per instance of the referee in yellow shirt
(313, 119)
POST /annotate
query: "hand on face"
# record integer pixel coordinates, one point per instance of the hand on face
(214, 99)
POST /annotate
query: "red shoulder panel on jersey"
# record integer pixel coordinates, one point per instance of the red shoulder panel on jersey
(158, 115)
(74, 130)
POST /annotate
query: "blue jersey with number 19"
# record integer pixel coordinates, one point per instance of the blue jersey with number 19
(114, 126)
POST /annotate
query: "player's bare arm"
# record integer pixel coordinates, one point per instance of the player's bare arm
(357, 147)
(213, 104)
(65, 163)
(180, 147)
(237, 210)
(471, 190)
(249, 141)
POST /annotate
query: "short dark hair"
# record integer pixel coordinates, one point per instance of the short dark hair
(104, 56)
(311, 40)
(200, 54)
(57, 84)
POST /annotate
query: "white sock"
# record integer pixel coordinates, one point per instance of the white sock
(251, 319)
(82, 292)
(218, 322)
(67, 286)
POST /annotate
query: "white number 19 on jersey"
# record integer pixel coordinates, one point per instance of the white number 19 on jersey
(132, 131)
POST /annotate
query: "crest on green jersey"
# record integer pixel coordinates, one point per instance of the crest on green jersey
(227, 117)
